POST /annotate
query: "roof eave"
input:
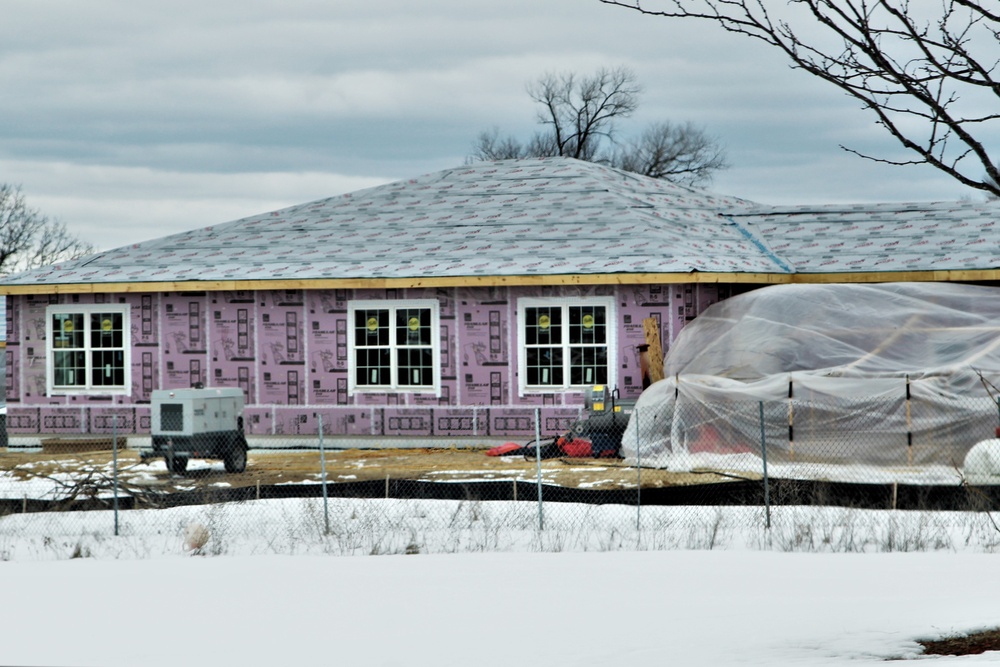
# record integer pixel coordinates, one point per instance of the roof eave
(965, 275)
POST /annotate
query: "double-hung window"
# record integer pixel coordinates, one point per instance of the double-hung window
(565, 343)
(395, 346)
(88, 349)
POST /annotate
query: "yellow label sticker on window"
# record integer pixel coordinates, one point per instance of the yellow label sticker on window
(588, 321)
(106, 325)
(67, 325)
(372, 323)
(414, 323)
(543, 322)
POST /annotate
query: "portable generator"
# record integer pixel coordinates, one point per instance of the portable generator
(198, 422)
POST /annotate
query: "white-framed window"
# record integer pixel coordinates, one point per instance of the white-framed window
(565, 343)
(394, 346)
(88, 349)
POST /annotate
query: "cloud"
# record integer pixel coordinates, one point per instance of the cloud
(131, 120)
(116, 206)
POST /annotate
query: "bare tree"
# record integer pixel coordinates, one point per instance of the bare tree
(580, 115)
(580, 111)
(29, 239)
(673, 152)
(927, 71)
(489, 145)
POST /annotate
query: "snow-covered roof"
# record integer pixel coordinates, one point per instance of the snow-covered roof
(545, 217)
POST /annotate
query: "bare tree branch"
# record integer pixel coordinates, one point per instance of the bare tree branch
(489, 145)
(680, 153)
(929, 75)
(29, 239)
(582, 110)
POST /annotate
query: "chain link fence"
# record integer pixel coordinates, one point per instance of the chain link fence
(871, 473)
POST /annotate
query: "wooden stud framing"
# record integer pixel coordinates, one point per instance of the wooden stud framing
(652, 332)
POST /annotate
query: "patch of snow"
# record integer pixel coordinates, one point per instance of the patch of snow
(587, 485)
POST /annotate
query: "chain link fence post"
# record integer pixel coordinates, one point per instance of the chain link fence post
(538, 466)
(114, 466)
(763, 451)
(638, 479)
(322, 466)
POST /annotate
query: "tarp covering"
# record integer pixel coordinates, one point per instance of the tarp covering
(888, 374)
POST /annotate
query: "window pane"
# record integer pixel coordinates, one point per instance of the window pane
(543, 326)
(69, 369)
(415, 367)
(106, 330)
(67, 330)
(587, 325)
(107, 368)
(371, 328)
(588, 366)
(544, 366)
(371, 368)
(413, 326)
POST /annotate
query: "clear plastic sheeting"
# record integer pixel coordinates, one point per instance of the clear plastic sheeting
(890, 375)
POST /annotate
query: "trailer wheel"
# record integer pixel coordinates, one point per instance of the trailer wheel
(178, 465)
(236, 458)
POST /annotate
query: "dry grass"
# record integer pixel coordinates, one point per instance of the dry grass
(978, 642)
(277, 467)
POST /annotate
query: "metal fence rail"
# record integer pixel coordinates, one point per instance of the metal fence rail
(766, 473)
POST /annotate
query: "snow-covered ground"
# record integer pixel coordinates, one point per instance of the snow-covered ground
(483, 586)
(486, 609)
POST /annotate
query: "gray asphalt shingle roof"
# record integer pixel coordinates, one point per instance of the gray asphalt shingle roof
(548, 217)
(960, 235)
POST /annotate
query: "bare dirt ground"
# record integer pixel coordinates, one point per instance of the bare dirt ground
(979, 642)
(285, 467)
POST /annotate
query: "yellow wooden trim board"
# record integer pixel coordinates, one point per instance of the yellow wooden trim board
(978, 275)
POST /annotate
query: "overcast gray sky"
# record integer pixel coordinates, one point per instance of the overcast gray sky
(130, 120)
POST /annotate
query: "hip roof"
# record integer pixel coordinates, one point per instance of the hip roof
(543, 221)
